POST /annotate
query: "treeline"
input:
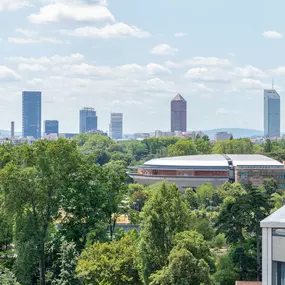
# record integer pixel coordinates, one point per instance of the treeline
(60, 202)
(103, 149)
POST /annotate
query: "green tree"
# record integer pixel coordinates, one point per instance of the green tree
(191, 198)
(115, 191)
(205, 194)
(190, 261)
(233, 219)
(268, 146)
(226, 273)
(7, 277)
(182, 147)
(82, 203)
(109, 263)
(32, 186)
(203, 147)
(67, 264)
(260, 206)
(164, 215)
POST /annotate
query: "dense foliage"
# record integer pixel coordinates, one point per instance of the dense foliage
(61, 203)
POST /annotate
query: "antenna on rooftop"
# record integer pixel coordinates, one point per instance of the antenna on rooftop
(272, 83)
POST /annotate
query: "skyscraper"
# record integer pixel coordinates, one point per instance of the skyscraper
(271, 114)
(178, 114)
(31, 114)
(12, 129)
(116, 126)
(51, 127)
(88, 120)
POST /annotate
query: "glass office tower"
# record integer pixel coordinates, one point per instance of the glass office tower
(88, 120)
(31, 114)
(51, 127)
(271, 114)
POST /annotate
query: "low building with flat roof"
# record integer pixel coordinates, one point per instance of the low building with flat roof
(195, 170)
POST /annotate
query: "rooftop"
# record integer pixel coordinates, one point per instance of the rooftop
(213, 160)
(253, 159)
(248, 283)
(191, 160)
(275, 220)
(178, 97)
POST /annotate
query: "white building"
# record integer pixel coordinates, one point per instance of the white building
(222, 136)
(273, 248)
(116, 126)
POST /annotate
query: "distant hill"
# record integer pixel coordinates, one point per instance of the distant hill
(237, 133)
(5, 133)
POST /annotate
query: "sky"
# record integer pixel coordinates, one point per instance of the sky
(134, 56)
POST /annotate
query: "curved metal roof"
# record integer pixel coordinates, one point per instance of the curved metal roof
(212, 160)
(191, 160)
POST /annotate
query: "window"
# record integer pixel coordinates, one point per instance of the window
(278, 273)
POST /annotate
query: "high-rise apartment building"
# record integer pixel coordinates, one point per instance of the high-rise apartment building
(51, 127)
(116, 126)
(88, 120)
(271, 114)
(31, 114)
(178, 114)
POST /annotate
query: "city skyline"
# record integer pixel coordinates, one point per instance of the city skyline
(128, 64)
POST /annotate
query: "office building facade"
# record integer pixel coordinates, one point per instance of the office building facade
(271, 114)
(116, 126)
(178, 114)
(51, 127)
(31, 114)
(88, 120)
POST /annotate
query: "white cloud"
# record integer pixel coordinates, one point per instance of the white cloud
(279, 71)
(251, 84)
(35, 81)
(153, 69)
(78, 12)
(131, 68)
(118, 30)
(83, 69)
(52, 60)
(163, 49)
(272, 35)
(200, 61)
(25, 41)
(180, 34)
(13, 4)
(31, 67)
(208, 74)
(249, 71)
(7, 74)
(27, 33)
(222, 111)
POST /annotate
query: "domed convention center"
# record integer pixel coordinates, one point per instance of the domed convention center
(195, 170)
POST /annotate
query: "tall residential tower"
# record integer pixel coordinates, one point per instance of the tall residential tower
(271, 114)
(178, 114)
(31, 114)
(88, 120)
(116, 126)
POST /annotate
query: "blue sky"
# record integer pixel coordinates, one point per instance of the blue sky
(134, 56)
